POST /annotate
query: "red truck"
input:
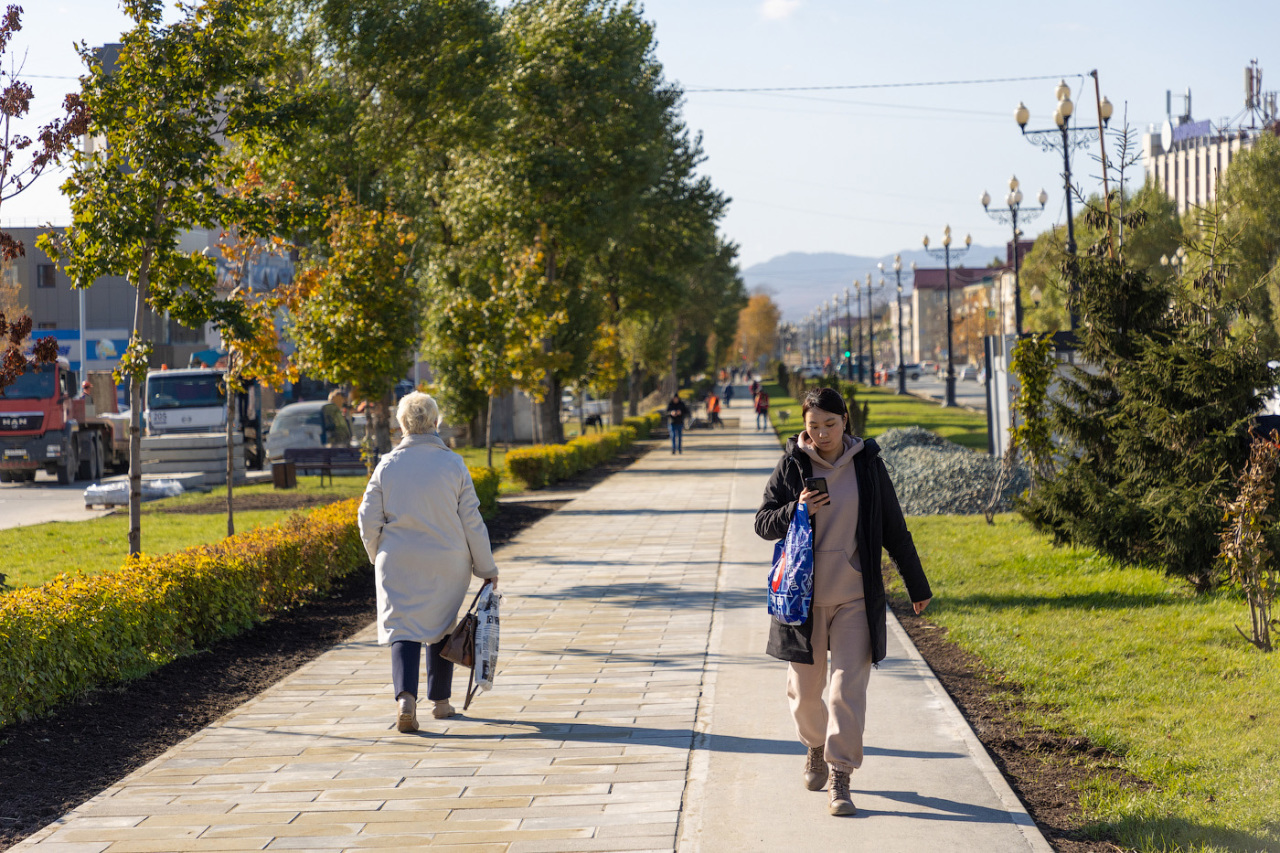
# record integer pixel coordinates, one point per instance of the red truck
(46, 422)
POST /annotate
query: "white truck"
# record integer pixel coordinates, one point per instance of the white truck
(194, 401)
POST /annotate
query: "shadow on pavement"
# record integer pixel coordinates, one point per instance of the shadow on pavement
(937, 808)
(655, 594)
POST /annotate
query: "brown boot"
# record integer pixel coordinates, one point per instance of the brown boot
(841, 803)
(816, 769)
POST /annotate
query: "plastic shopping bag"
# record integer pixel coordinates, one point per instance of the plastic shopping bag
(791, 579)
(486, 661)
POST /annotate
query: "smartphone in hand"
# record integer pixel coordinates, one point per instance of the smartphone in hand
(816, 484)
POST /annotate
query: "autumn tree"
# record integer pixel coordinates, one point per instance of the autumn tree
(22, 160)
(178, 97)
(758, 328)
(357, 315)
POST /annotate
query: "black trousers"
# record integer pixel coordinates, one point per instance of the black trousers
(405, 656)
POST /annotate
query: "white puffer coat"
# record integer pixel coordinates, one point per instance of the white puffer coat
(421, 525)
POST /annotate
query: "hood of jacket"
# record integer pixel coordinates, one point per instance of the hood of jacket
(869, 447)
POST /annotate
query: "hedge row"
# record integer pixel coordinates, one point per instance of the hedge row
(542, 464)
(486, 481)
(64, 637)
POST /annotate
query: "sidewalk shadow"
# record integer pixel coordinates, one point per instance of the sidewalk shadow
(578, 732)
(653, 595)
(730, 472)
(653, 511)
(936, 808)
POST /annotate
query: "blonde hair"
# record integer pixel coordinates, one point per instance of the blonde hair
(337, 397)
(418, 413)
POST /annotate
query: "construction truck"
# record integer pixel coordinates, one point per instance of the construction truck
(47, 422)
(193, 401)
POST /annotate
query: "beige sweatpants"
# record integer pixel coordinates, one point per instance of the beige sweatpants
(837, 723)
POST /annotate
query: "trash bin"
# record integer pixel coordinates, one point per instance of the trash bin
(284, 475)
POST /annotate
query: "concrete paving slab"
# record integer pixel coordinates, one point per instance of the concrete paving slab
(634, 710)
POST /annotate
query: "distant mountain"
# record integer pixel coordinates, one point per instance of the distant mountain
(799, 281)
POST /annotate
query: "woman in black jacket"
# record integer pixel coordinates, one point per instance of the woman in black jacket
(855, 514)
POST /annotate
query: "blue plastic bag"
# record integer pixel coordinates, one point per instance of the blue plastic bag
(791, 578)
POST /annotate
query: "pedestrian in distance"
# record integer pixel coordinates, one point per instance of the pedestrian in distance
(855, 514)
(713, 411)
(756, 388)
(677, 411)
(421, 526)
(728, 395)
(762, 410)
(337, 429)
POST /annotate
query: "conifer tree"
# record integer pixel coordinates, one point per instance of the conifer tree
(1153, 424)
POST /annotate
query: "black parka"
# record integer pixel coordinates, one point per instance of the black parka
(880, 526)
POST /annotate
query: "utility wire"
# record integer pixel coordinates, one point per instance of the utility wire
(700, 89)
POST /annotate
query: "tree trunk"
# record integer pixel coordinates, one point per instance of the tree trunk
(635, 389)
(488, 433)
(617, 399)
(382, 423)
(231, 447)
(135, 411)
(549, 409)
(673, 381)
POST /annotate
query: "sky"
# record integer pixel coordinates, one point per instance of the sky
(870, 170)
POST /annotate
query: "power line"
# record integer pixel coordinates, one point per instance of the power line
(700, 89)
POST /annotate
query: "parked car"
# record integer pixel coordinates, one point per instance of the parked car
(913, 372)
(967, 373)
(810, 371)
(296, 425)
(929, 368)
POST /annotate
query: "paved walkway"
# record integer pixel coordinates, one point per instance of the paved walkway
(634, 710)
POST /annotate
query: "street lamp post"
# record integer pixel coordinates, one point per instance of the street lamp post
(871, 338)
(848, 338)
(945, 254)
(1071, 137)
(857, 294)
(835, 346)
(897, 271)
(1010, 215)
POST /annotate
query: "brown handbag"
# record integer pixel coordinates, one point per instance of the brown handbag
(460, 648)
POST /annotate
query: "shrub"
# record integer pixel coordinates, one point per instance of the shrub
(644, 424)
(60, 639)
(486, 482)
(543, 464)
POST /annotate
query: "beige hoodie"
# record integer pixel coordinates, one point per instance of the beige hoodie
(837, 571)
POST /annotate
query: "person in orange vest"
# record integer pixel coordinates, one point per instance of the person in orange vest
(713, 410)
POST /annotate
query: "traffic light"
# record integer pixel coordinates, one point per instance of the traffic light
(847, 353)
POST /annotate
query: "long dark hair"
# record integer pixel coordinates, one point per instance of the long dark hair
(829, 400)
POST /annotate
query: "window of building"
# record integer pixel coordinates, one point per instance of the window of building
(46, 325)
(46, 275)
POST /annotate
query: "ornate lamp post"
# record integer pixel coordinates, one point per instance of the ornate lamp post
(1064, 138)
(945, 254)
(871, 338)
(848, 338)
(1176, 261)
(835, 346)
(897, 271)
(857, 294)
(1010, 215)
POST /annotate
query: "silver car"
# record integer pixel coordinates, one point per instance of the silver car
(297, 425)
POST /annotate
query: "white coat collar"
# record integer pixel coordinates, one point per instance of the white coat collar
(430, 438)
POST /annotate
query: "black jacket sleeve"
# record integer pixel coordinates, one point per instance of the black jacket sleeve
(780, 497)
(897, 538)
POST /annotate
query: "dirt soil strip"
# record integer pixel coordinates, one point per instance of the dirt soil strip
(50, 766)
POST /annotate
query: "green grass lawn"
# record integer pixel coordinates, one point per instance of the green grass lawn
(1132, 660)
(889, 410)
(36, 553)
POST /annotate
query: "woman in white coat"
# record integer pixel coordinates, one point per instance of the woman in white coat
(420, 522)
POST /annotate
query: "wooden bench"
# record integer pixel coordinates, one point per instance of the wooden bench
(326, 460)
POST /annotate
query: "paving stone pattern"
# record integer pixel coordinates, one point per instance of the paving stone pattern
(633, 711)
(582, 745)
